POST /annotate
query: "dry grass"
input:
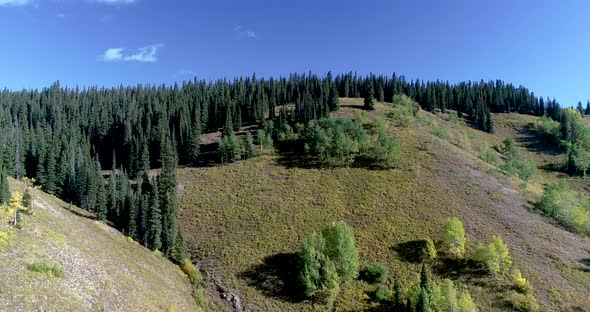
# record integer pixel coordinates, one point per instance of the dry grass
(60, 261)
(245, 221)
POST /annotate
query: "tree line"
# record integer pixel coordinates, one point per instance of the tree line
(94, 147)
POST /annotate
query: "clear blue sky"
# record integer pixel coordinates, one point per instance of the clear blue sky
(544, 45)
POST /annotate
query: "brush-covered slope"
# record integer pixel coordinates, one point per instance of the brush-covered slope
(245, 222)
(60, 261)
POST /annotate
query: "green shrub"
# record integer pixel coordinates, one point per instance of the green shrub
(430, 249)
(489, 155)
(465, 303)
(524, 303)
(439, 131)
(570, 208)
(550, 128)
(382, 293)
(50, 270)
(191, 271)
(453, 240)
(374, 273)
(386, 150)
(528, 170)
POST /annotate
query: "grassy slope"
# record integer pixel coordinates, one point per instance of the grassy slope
(244, 221)
(103, 270)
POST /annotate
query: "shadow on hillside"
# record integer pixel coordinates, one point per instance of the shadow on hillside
(277, 277)
(455, 268)
(208, 156)
(586, 263)
(537, 142)
(412, 251)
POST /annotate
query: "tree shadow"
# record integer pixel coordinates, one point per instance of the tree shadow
(455, 268)
(277, 277)
(586, 263)
(412, 251)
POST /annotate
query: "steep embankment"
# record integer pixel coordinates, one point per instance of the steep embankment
(245, 221)
(102, 269)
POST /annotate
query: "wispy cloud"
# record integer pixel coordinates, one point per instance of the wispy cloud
(60, 15)
(244, 32)
(116, 2)
(147, 54)
(14, 2)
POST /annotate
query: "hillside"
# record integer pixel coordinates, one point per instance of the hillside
(99, 268)
(244, 222)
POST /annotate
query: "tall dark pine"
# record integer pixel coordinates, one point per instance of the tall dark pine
(370, 96)
(580, 108)
(4, 190)
(489, 126)
(587, 110)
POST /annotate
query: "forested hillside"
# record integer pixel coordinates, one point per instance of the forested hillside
(98, 148)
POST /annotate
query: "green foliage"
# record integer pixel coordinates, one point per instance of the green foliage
(423, 304)
(370, 96)
(521, 284)
(341, 249)
(229, 148)
(328, 259)
(424, 277)
(489, 155)
(465, 303)
(439, 131)
(247, 146)
(550, 128)
(453, 240)
(528, 169)
(335, 140)
(374, 273)
(522, 302)
(382, 293)
(45, 268)
(404, 110)
(386, 150)
(515, 164)
(4, 189)
(430, 249)
(569, 207)
(191, 271)
(495, 256)
(448, 298)
(27, 199)
(264, 139)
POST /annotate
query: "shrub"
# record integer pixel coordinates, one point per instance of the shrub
(521, 284)
(430, 249)
(570, 208)
(528, 170)
(454, 237)
(489, 155)
(374, 273)
(382, 293)
(465, 303)
(191, 271)
(341, 249)
(525, 303)
(386, 150)
(50, 270)
(448, 298)
(439, 131)
(549, 128)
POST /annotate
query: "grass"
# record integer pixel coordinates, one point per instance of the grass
(50, 270)
(94, 267)
(242, 218)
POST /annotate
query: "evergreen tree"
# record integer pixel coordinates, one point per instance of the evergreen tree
(489, 126)
(370, 96)
(587, 110)
(179, 252)
(398, 302)
(4, 190)
(423, 304)
(424, 277)
(155, 219)
(580, 108)
(195, 142)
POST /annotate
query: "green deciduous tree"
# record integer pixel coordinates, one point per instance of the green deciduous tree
(454, 237)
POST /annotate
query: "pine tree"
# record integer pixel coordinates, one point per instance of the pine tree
(580, 108)
(424, 277)
(195, 142)
(4, 190)
(423, 304)
(489, 126)
(398, 302)
(370, 96)
(179, 252)
(155, 219)
(587, 110)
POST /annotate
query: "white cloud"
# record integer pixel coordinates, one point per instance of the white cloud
(14, 2)
(115, 2)
(147, 54)
(60, 15)
(244, 32)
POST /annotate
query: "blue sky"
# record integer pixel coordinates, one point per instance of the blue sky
(543, 45)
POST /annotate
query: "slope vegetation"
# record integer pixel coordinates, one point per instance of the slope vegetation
(60, 261)
(245, 222)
